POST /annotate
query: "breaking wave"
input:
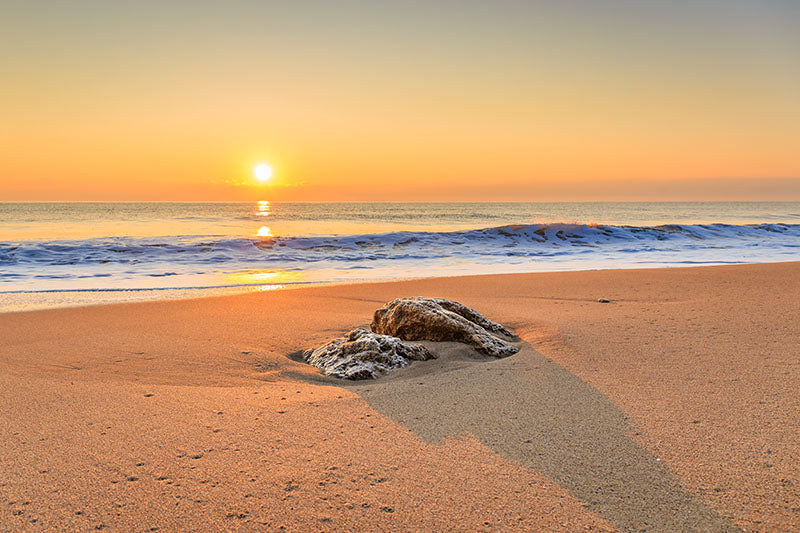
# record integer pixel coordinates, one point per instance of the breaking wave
(126, 261)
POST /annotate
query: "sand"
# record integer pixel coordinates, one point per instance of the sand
(674, 407)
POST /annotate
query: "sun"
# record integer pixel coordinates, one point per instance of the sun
(262, 172)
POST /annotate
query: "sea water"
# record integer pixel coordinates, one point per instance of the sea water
(54, 254)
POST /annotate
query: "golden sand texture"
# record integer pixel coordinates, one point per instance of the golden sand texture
(672, 407)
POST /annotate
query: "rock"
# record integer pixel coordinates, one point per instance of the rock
(361, 354)
(604, 300)
(436, 319)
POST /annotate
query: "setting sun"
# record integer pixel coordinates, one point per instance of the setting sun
(262, 172)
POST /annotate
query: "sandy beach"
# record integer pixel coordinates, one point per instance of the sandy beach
(673, 407)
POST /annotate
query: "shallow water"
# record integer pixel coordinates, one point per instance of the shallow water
(71, 250)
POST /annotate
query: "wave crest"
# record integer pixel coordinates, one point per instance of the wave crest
(130, 262)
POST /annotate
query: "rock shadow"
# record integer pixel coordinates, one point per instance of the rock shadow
(534, 412)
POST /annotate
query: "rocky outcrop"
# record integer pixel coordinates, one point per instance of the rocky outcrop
(436, 319)
(361, 354)
(364, 354)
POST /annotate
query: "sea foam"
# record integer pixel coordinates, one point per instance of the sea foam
(196, 261)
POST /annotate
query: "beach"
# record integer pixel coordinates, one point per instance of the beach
(672, 407)
(400, 266)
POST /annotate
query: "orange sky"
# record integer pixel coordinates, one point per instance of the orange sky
(414, 101)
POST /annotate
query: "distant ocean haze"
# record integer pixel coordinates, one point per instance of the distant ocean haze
(128, 248)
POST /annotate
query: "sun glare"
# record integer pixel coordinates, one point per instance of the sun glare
(262, 172)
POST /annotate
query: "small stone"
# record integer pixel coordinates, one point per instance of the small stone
(604, 300)
(149, 394)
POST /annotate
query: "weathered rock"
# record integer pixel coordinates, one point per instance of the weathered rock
(362, 354)
(436, 319)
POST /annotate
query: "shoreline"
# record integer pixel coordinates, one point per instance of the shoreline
(18, 301)
(190, 414)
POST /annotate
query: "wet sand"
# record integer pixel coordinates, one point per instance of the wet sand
(674, 407)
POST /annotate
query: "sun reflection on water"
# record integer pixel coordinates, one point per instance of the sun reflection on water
(263, 208)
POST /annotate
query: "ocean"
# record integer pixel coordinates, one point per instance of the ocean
(64, 254)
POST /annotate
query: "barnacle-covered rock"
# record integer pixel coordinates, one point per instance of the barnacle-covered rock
(362, 354)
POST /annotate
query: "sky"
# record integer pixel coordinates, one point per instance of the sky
(410, 100)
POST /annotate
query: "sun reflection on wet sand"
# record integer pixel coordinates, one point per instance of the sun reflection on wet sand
(271, 287)
(272, 279)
